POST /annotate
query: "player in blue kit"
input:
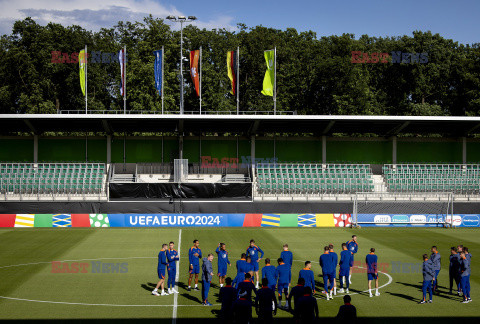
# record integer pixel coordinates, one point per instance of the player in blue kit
(161, 269)
(284, 276)
(307, 274)
(335, 263)
(241, 267)
(222, 263)
(344, 271)
(465, 277)
(194, 256)
(326, 262)
(352, 246)
(428, 276)
(172, 258)
(287, 256)
(372, 271)
(253, 251)
(270, 273)
(436, 259)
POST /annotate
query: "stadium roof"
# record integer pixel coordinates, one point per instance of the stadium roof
(246, 124)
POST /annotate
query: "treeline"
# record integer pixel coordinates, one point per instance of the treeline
(314, 75)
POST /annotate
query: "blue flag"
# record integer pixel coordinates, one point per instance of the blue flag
(158, 70)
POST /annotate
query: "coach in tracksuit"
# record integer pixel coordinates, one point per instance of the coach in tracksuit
(465, 277)
(454, 269)
(207, 275)
(428, 276)
(436, 259)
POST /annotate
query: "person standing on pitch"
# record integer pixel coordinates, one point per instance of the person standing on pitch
(253, 251)
(172, 258)
(222, 263)
(428, 276)
(465, 277)
(352, 246)
(335, 263)
(372, 271)
(284, 276)
(265, 303)
(161, 268)
(307, 307)
(436, 259)
(207, 275)
(307, 274)
(194, 256)
(347, 313)
(269, 272)
(454, 269)
(326, 262)
(241, 270)
(344, 271)
(287, 256)
(228, 295)
(296, 293)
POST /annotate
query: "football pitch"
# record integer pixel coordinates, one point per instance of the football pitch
(120, 272)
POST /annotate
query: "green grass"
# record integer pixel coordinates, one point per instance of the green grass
(139, 247)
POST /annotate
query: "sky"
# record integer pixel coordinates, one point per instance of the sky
(458, 20)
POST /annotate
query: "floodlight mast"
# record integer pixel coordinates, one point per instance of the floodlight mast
(181, 20)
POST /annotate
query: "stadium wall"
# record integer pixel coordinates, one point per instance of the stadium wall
(231, 220)
(137, 149)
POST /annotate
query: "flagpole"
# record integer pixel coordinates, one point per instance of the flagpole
(86, 92)
(124, 79)
(275, 83)
(163, 54)
(200, 83)
(238, 77)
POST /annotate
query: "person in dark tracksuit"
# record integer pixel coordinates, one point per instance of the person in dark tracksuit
(454, 268)
(307, 307)
(207, 275)
(428, 275)
(296, 293)
(436, 259)
(347, 313)
(172, 258)
(246, 287)
(241, 270)
(465, 277)
(242, 310)
(468, 256)
(228, 295)
(328, 268)
(269, 272)
(344, 272)
(265, 303)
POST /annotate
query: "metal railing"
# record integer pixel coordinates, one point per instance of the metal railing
(153, 112)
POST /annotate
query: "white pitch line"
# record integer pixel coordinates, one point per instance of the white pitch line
(177, 277)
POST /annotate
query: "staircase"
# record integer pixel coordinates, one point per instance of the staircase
(378, 183)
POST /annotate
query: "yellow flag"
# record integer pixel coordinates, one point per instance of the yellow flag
(269, 78)
(82, 61)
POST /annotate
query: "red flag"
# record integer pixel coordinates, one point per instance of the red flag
(194, 55)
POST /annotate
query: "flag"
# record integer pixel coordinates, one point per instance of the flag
(121, 58)
(194, 55)
(232, 70)
(269, 78)
(157, 69)
(82, 61)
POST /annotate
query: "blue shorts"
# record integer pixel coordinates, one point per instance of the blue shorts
(351, 260)
(344, 272)
(195, 270)
(334, 275)
(255, 265)
(372, 276)
(222, 272)
(272, 287)
(281, 287)
(161, 273)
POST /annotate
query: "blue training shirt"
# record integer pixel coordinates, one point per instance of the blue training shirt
(345, 257)
(253, 253)
(287, 258)
(162, 260)
(222, 258)
(192, 258)
(352, 246)
(172, 257)
(307, 274)
(371, 260)
(241, 267)
(284, 274)
(270, 272)
(326, 262)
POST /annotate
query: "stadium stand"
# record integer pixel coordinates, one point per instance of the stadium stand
(43, 179)
(311, 178)
(456, 178)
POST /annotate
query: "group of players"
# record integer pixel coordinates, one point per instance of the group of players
(458, 270)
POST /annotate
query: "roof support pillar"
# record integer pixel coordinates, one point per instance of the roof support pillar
(464, 150)
(109, 149)
(324, 149)
(35, 148)
(394, 149)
